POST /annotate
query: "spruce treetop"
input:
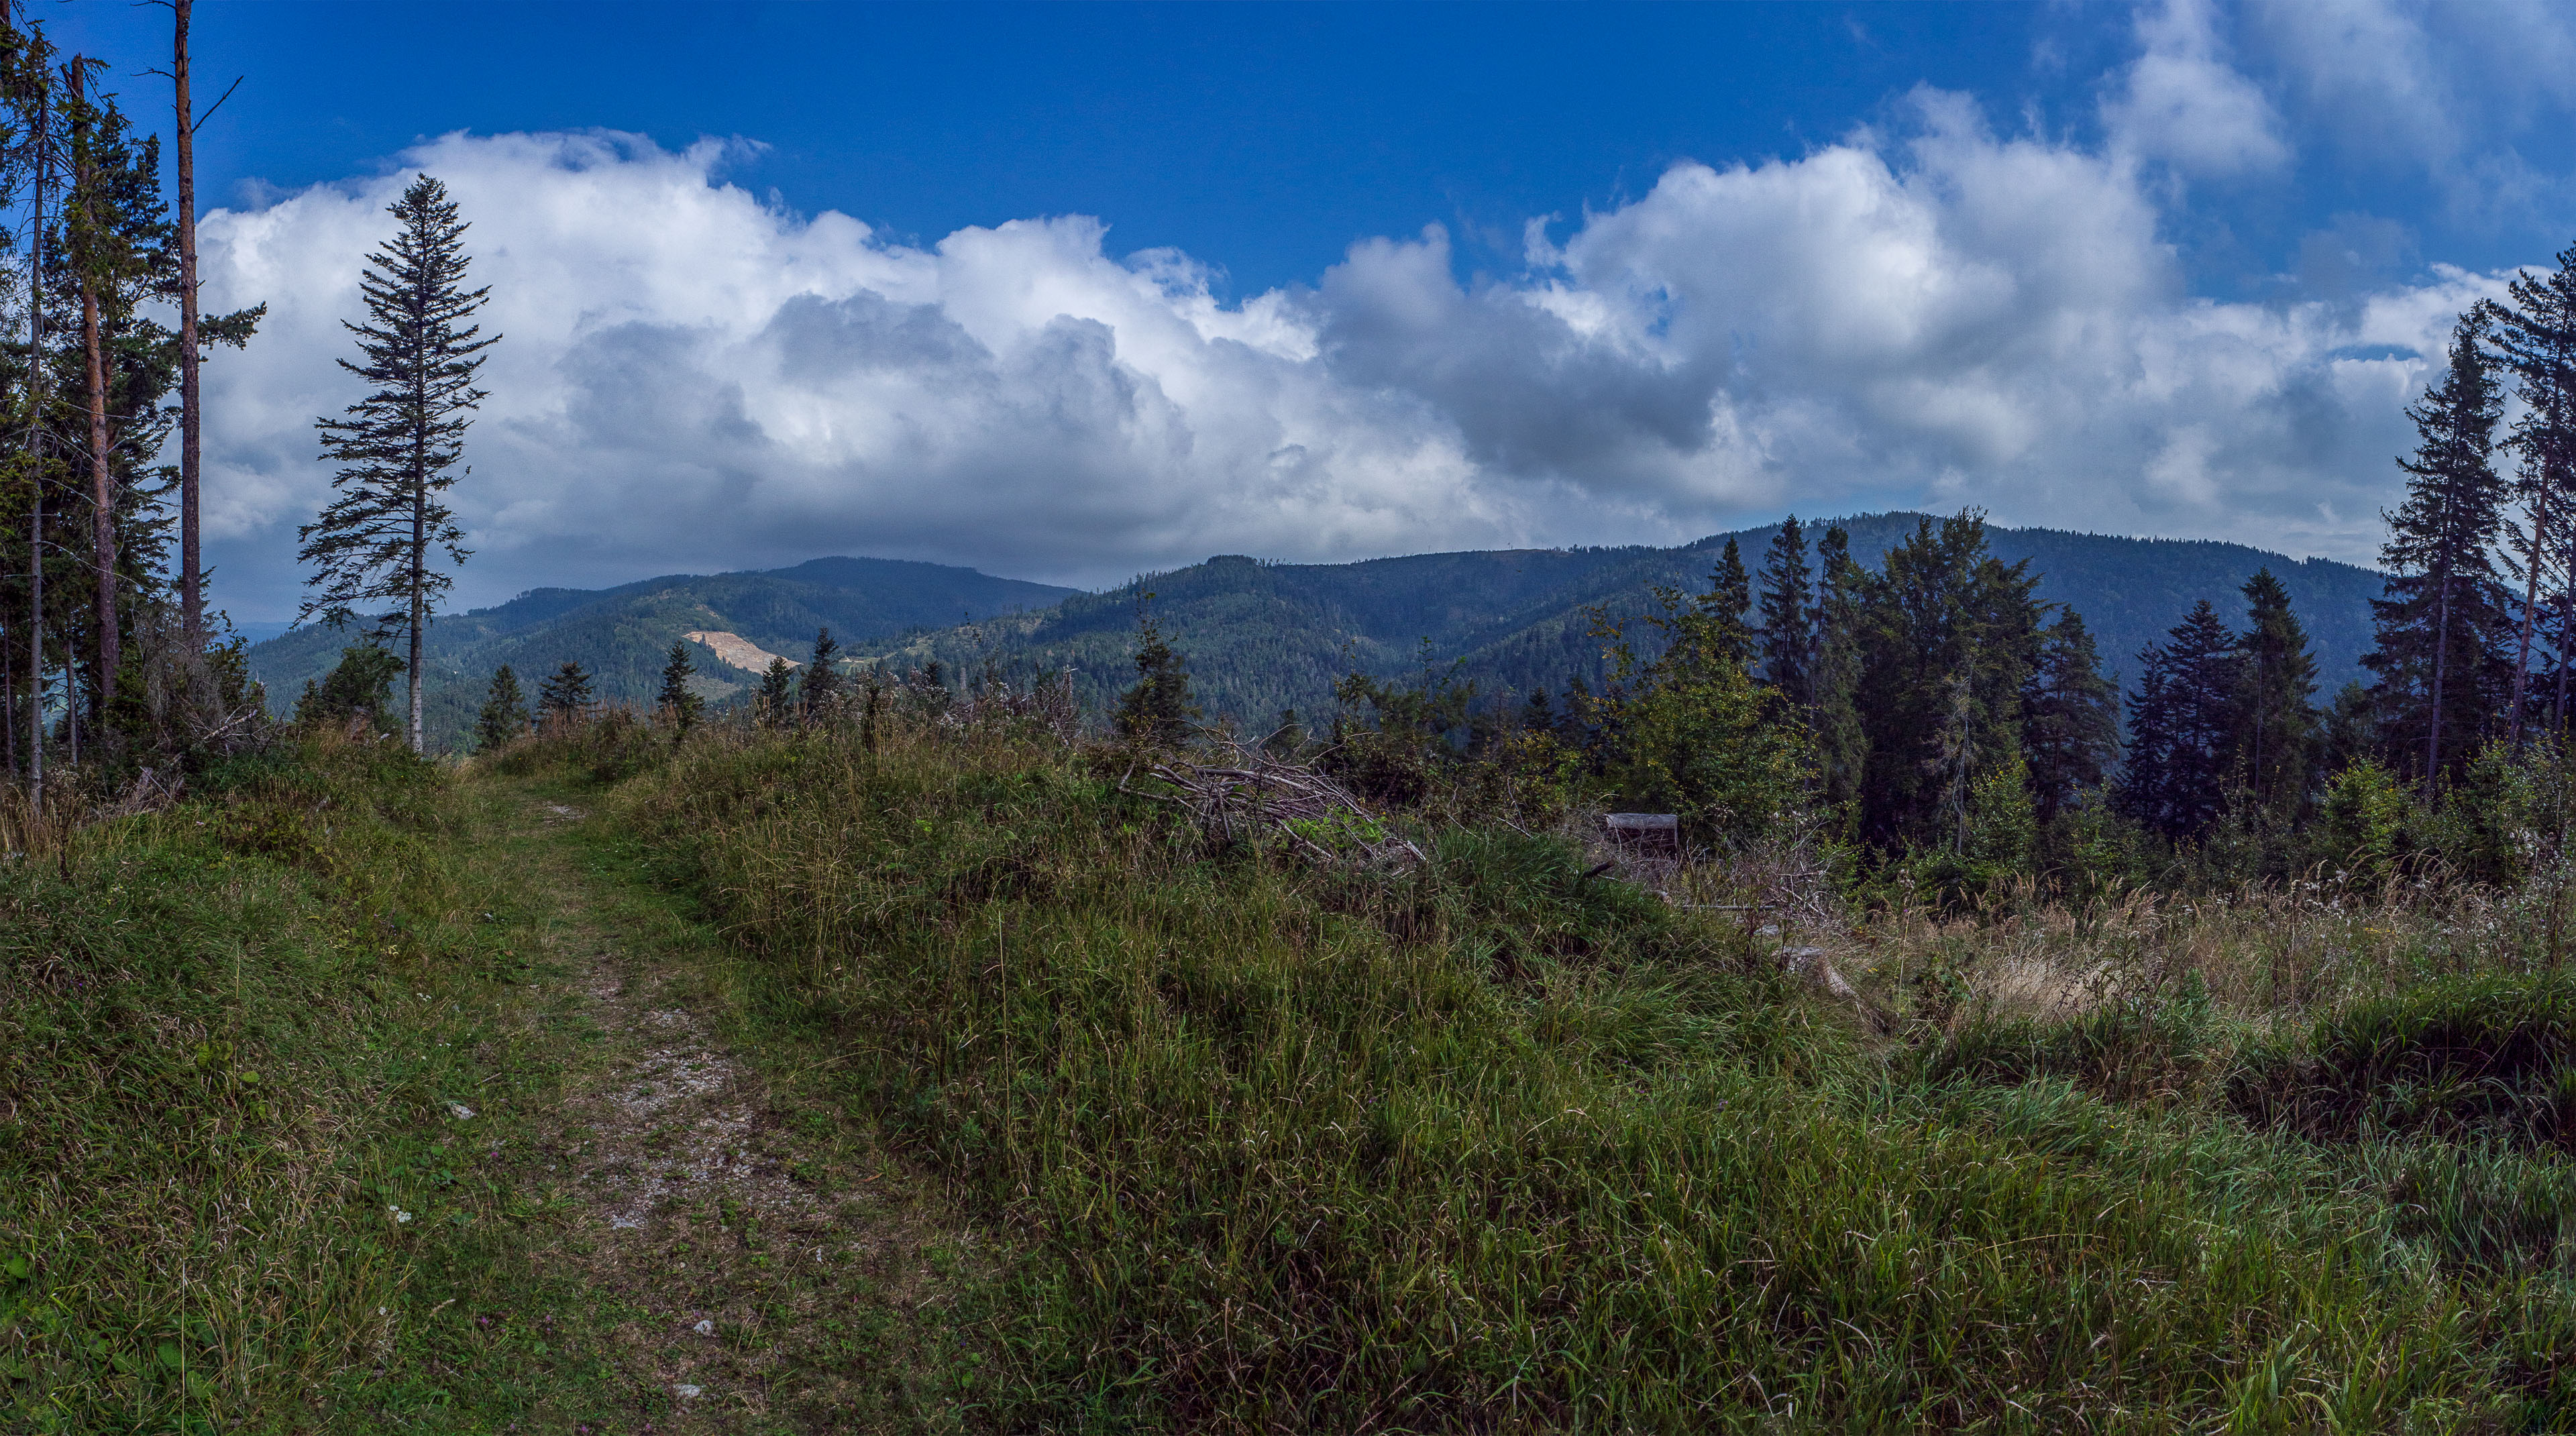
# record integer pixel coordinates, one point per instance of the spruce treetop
(567, 692)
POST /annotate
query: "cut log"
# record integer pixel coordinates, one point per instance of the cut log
(1653, 834)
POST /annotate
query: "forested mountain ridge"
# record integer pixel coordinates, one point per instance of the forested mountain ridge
(623, 634)
(1260, 637)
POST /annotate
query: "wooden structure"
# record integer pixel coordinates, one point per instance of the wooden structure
(1650, 835)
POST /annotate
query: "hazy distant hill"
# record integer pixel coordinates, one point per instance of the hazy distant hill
(624, 634)
(1260, 637)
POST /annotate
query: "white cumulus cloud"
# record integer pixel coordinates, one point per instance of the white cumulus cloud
(2181, 102)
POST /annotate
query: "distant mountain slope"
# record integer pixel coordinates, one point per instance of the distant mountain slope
(1260, 637)
(624, 634)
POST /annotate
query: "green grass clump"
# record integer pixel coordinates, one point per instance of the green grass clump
(1497, 1143)
(217, 1083)
(2489, 1055)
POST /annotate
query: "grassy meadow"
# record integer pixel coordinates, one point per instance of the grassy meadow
(1500, 1142)
(1249, 1140)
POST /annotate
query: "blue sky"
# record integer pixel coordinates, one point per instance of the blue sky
(1266, 139)
(1127, 285)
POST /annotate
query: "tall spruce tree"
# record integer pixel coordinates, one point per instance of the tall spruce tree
(2537, 556)
(504, 715)
(777, 691)
(2535, 337)
(371, 548)
(1949, 635)
(1788, 618)
(27, 81)
(2442, 625)
(677, 698)
(2070, 718)
(113, 265)
(2180, 717)
(1729, 596)
(1841, 742)
(2273, 738)
(822, 675)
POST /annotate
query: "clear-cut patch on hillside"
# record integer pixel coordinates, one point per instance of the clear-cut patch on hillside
(736, 651)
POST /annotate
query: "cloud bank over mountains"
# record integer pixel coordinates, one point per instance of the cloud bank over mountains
(1932, 312)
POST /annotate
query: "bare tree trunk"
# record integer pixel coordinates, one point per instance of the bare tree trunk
(419, 537)
(37, 398)
(102, 497)
(2441, 656)
(2530, 599)
(36, 648)
(2566, 637)
(2262, 707)
(2554, 472)
(192, 601)
(102, 480)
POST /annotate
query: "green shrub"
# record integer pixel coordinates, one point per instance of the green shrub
(2361, 828)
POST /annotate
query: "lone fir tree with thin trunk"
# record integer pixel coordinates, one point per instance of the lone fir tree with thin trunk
(371, 547)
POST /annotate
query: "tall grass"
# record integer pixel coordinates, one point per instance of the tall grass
(1499, 1143)
(202, 1052)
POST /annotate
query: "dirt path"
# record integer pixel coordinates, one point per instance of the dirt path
(763, 1267)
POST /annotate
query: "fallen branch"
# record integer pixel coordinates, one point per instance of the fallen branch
(1256, 797)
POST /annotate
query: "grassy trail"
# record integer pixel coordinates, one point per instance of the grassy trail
(714, 1259)
(761, 1267)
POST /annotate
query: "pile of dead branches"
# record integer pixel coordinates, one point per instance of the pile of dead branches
(1248, 796)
